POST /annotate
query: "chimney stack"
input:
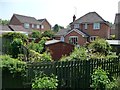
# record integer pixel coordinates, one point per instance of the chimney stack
(74, 17)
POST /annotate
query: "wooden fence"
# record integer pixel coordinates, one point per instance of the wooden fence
(74, 74)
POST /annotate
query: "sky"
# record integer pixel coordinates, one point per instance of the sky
(58, 11)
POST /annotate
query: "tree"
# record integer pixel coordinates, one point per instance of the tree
(57, 27)
(48, 33)
(36, 34)
(4, 22)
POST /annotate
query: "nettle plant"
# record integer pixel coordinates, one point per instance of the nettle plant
(101, 80)
(45, 82)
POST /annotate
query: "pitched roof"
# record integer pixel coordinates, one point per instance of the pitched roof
(65, 32)
(62, 32)
(90, 17)
(26, 19)
(5, 28)
(117, 18)
(19, 28)
(41, 20)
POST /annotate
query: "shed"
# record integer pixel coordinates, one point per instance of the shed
(58, 48)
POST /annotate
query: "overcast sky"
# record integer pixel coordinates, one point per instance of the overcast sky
(58, 11)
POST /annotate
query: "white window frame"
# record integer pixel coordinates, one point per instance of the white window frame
(96, 26)
(42, 26)
(76, 26)
(33, 26)
(93, 38)
(86, 26)
(26, 25)
(75, 40)
(37, 26)
(62, 38)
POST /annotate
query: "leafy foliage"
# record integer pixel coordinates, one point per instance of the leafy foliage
(48, 33)
(14, 35)
(13, 65)
(16, 45)
(36, 57)
(36, 34)
(45, 82)
(77, 54)
(100, 46)
(101, 80)
(38, 47)
(4, 22)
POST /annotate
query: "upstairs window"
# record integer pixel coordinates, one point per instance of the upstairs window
(42, 26)
(33, 26)
(76, 26)
(73, 40)
(26, 25)
(86, 26)
(38, 26)
(96, 26)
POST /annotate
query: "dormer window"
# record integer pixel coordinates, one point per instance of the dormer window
(38, 26)
(76, 26)
(26, 25)
(96, 26)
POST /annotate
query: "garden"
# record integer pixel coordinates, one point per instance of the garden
(94, 66)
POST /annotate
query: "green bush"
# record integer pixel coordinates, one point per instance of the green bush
(101, 80)
(13, 65)
(36, 57)
(45, 82)
(16, 46)
(100, 46)
(77, 54)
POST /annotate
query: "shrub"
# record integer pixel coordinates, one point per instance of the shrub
(16, 46)
(13, 65)
(36, 57)
(45, 82)
(100, 46)
(101, 80)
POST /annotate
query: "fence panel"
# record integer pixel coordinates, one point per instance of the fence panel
(74, 74)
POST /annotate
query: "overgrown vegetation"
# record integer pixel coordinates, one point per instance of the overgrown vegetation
(45, 82)
(13, 65)
(101, 80)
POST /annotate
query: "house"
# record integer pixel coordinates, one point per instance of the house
(85, 29)
(117, 26)
(30, 22)
(58, 48)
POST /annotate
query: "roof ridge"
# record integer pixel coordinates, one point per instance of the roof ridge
(24, 16)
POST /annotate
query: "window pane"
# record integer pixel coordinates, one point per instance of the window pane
(26, 25)
(76, 25)
(96, 26)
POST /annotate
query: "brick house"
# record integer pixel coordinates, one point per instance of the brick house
(85, 29)
(30, 22)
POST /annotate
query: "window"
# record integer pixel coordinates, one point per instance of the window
(96, 26)
(76, 26)
(86, 25)
(62, 38)
(33, 26)
(73, 40)
(38, 26)
(92, 38)
(42, 26)
(26, 25)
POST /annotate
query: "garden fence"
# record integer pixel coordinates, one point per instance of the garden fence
(74, 74)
